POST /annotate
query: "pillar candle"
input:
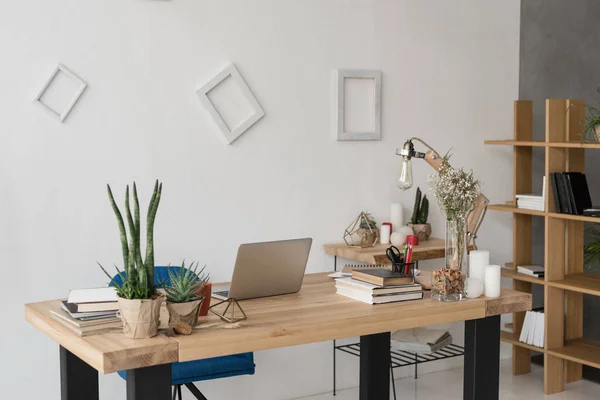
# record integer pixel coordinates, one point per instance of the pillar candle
(478, 260)
(396, 216)
(386, 231)
(474, 288)
(492, 281)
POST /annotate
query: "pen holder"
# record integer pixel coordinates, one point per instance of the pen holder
(406, 269)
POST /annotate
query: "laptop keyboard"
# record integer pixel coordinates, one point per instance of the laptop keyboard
(224, 293)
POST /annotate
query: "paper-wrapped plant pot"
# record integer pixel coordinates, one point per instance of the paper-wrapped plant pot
(423, 231)
(140, 317)
(184, 312)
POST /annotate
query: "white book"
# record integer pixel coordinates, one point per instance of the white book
(534, 274)
(530, 197)
(369, 299)
(529, 203)
(374, 290)
(525, 328)
(531, 268)
(94, 295)
(531, 333)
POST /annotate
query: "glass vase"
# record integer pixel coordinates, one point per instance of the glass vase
(448, 283)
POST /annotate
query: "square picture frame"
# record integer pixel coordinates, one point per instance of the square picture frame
(372, 133)
(61, 115)
(229, 135)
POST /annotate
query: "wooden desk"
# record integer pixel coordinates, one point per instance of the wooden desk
(426, 250)
(314, 314)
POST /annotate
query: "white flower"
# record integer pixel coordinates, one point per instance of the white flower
(455, 191)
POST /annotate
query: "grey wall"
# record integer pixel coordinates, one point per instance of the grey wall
(559, 58)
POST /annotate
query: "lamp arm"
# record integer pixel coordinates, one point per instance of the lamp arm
(433, 158)
(475, 218)
(480, 204)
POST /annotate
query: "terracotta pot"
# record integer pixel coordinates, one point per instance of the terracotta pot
(207, 293)
(423, 231)
(184, 312)
(140, 317)
(597, 132)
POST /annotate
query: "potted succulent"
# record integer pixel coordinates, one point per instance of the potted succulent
(367, 231)
(418, 220)
(185, 293)
(139, 301)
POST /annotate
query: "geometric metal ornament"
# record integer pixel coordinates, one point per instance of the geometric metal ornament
(229, 314)
(362, 232)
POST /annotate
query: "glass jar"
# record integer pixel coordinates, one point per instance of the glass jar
(448, 283)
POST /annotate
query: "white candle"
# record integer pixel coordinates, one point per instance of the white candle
(478, 260)
(385, 234)
(396, 216)
(474, 288)
(492, 281)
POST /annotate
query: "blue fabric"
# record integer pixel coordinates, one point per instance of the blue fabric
(201, 370)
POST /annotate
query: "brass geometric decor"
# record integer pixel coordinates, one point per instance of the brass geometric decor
(362, 232)
(229, 314)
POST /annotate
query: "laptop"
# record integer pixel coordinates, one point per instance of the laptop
(267, 269)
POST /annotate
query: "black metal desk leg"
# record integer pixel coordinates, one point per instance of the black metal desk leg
(374, 367)
(150, 383)
(482, 359)
(77, 379)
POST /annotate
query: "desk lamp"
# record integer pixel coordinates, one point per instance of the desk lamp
(433, 158)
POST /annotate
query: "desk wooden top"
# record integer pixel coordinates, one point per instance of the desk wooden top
(426, 250)
(314, 314)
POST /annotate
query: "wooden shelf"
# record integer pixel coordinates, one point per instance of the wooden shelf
(537, 143)
(513, 338)
(581, 283)
(584, 351)
(513, 209)
(512, 274)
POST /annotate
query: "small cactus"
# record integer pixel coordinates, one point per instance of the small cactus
(421, 210)
(417, 208)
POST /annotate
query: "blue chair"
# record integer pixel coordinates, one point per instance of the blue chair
(185, 373)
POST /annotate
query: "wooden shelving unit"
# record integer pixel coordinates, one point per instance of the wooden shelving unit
(564, 283)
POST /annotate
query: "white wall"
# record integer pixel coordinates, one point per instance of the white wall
(450, 74)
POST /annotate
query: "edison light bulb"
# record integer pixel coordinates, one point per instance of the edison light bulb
(405, 179)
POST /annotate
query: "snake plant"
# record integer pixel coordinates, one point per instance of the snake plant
(187, 284)
(138, 280)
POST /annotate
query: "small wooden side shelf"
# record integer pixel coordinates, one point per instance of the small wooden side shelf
(564, 282)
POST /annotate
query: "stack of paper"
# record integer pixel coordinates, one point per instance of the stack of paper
(421, 340)
(532, 332)
(532, 201)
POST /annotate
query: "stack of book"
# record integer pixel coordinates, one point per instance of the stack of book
(532, 201)
(379, 286)
(421, 340)
(571, 193)
(532, 332)
(531, 270)
(89, 311)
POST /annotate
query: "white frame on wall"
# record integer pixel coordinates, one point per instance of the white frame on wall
(61, 115)
(374, 75)
(230, 71)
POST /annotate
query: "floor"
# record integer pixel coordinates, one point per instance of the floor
(447, 385)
